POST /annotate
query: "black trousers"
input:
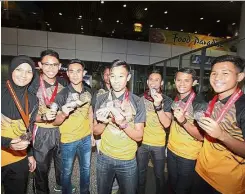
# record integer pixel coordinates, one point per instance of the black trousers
(200, 186)
(180, 173)
(157, 154)
(46, 147)
(15, 177)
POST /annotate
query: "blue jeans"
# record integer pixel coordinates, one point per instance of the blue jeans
(124, 170)
(180, 173)
(68, 152)
(157, 154)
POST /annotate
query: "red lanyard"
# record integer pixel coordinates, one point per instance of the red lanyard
(189, 101)
(24, 115)
(47, 101)
(235, 96)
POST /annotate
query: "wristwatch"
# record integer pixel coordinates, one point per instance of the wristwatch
(184, 122)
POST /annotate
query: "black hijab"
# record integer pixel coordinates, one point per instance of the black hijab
(9, 109)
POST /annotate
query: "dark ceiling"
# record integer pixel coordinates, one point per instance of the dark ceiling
(100, 18)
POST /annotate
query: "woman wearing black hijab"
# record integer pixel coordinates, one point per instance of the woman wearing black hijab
(19, 109)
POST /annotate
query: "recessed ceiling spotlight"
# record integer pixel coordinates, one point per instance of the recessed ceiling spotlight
(233, 24)
(181, 30)
(145, 9)
(151, 26)
(165, 12)
(34, 13)
(50, 28)
(201, 18)
(195, 32)
(102, 2)
(124, 5)
(79, 18)
(60, 13)
(218, 21)
(81, 28)
(99, 18)
(117, 21)
(48, 24)
(121, 23)
(166, 28)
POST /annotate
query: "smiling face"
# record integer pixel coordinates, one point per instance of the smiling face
(119, 77)
(22, 75)
(183, 82)
(224, 78)
(155, 81)
(50, 66)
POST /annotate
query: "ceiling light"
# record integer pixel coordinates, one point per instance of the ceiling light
(5, 9)
(60, 13)
(48, 24)
(99, 18)
(201, 18)
(233, 24)
(181, 30)
(165, 12)
(195, 32)
(81, 28)
(79, 18)
(34, 13)
(146, 9)
(50, 28)
(124, 5)
(117, 21)
(218, 21)
(236, 34)
(121, 23)
(151, 26)
(166, 28)
(209, 34)
(102, 2)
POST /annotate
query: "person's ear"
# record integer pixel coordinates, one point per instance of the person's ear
(40, 65)
(194, 83)
(240, 76)
(129, 77)
(162, 83)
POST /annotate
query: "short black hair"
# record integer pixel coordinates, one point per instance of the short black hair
(49, 52)
(155, 71)
(235, 60)
(188, 71)
(117, 63)
(72, 61)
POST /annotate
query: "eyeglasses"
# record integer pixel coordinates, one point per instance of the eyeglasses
(51, 64)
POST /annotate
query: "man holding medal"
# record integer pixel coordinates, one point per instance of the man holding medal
(185, 139)
(47, 136)
(76, 127)
(221, 163)
(158, 118)
(119, 118)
